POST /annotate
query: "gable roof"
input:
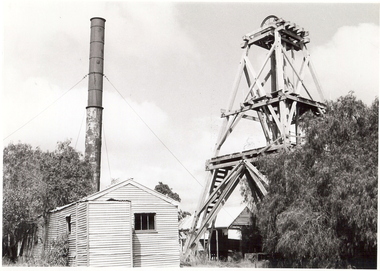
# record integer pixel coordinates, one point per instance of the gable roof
(243, 219)
(130, 181)
(113, 187)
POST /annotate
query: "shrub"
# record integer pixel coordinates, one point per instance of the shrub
(57, 253)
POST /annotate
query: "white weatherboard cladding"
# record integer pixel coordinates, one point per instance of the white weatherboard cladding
(102, 231)
(57, 228)
(82, 233)
(109, 234)
(158, 249)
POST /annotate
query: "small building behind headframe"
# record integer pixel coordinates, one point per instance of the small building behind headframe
(126, 224)
(227, 234)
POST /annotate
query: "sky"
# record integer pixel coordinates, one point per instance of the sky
(169, 70)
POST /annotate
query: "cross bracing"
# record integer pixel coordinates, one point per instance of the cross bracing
(274, 94)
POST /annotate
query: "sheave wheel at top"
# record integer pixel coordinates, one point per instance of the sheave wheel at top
(268, 20)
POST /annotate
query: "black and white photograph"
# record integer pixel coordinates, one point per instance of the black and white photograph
(190, 134)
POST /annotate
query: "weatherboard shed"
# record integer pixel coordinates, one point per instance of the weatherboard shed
(126, 224)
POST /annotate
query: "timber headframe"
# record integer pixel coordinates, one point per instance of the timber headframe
(275, 95)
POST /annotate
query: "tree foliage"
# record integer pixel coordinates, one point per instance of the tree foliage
(251, 239)
(57, 253)
(167, 191)
(35, 182)
(321, 207)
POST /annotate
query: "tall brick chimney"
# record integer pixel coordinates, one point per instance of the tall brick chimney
(94, 106)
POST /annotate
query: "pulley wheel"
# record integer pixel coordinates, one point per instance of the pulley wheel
(268, 20)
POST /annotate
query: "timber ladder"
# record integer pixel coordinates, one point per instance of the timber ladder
(275, 95)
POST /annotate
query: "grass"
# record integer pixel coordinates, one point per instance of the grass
(23, 262)
(225, 264)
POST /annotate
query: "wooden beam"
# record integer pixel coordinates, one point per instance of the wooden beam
(259, 30)
(269, 123)
(216, 192)
(264, 126)
(297, 114)
(254, 106)
(257, 80)
(316, 82)
(293, 59)
(297, 46)
(300, 75)
(265, 61)
(299, 78)
(256, 186)
(224, 197)
(306, 101)
(266, 77)
(251, 187)
(291, 34)
(238, 78)
(237, 155)
(228, 161)
(197, 214)
(256, 171)
(233, 97)
(283, 112)
(260, 36)
(279, 62)
(225, 194)
(244, 116)
(248, 79)
(275, 118)
(228, 131)
(211, 166)
(217, 244)
(291, 114)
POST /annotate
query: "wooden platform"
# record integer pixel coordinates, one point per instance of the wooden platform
(293, 36)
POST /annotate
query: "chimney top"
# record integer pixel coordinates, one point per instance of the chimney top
(97, 18)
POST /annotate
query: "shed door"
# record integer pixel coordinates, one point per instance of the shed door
(109, 234)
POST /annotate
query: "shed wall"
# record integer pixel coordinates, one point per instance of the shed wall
(57, 227)
(102, 231)
(161, 248)
(158, 249)
(82, 233)
(109, 234)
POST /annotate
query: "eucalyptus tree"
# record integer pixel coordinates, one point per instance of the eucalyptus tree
(321, 207)
(35, 182)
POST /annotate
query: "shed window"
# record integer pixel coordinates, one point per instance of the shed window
(145, 221)
(68, 223)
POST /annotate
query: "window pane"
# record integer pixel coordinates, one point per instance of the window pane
(68, 223)
(137, 222)
(151, 221)
(144, 222)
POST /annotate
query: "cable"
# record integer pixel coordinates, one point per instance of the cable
(80, 128)
(22, 126)
(156, 137)
(150, 129)
(105, 143)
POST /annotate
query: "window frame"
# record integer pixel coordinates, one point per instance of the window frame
(139, 217)
(68, 223)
